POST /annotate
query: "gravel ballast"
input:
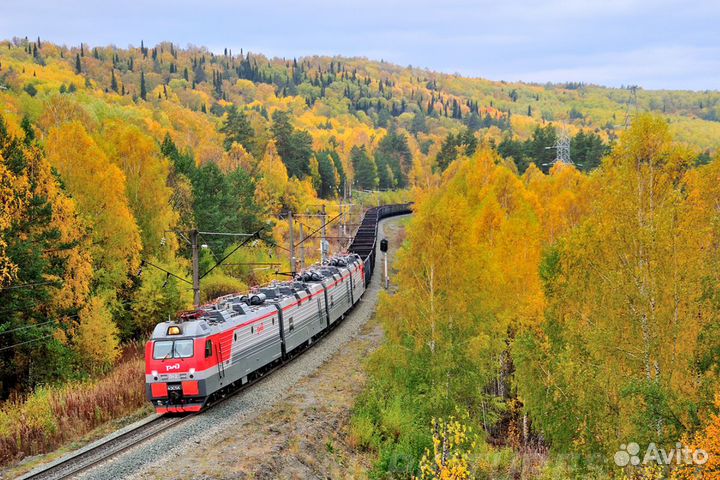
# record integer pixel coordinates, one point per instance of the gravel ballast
(247, 404)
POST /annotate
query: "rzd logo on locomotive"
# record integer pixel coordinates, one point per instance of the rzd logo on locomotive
(172, 367)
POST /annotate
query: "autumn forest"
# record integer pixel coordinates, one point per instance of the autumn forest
(545, 313)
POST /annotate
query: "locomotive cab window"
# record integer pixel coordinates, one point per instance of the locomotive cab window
(162, 350)
(168, 349)
(208, 348)
(183, 349)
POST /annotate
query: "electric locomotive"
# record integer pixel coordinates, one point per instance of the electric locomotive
(223, 344)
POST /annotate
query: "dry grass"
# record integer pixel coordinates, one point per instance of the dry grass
(52, 416)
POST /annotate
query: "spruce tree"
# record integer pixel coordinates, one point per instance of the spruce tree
(113, 81)
(294, 147)
(237, 128)
(143, 89)
(27, 128)
(328, 173)
(78, 65)
(365, 169)
(393, 159)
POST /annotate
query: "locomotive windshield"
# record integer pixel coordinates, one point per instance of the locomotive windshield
(173, 349)
(183, 349)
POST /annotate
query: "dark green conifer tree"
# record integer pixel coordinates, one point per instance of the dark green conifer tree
(237, 128)
(143, 88)
(365, 168)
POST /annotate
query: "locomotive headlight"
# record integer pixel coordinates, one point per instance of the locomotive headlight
(174, 330)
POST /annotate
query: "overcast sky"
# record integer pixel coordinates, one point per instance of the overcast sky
(653, 43)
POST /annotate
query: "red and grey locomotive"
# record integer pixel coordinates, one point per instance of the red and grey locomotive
(224, 343)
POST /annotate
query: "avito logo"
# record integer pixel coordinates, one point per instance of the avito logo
(629, 454)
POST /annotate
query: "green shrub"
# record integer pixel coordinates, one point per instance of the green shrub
(219, 284)
(394, 420)
(362, 432)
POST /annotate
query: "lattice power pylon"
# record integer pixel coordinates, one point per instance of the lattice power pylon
(562, 148)
(631, 105)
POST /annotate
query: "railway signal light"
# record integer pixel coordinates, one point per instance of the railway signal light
(384, 250)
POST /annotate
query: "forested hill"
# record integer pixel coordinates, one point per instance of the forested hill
(104, 150)
(340, 102)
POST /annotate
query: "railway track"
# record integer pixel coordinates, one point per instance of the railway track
(88, 458)
(98, 453)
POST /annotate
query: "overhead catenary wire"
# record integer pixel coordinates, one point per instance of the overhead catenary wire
(242, 244)
(32, 340)
(309, 235)
(31, 325)
(146, 262)
(41, 324)
(210, 249)
(28, 285)
(229, 234)
(9, 347)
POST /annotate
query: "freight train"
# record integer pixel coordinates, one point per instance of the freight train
(222, 345)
